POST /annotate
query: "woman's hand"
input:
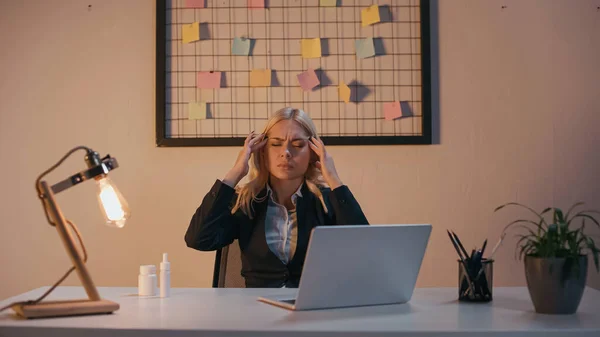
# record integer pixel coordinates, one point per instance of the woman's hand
(252, 144)
(325, 163)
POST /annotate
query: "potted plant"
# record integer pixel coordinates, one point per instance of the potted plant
(555, 256)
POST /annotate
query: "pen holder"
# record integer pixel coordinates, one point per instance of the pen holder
(476, 285)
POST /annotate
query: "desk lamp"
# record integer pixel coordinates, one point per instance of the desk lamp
(115, 210)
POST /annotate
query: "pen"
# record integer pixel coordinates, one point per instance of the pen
(455, 246)
(469, 282)
(483, 247)
(460, 244)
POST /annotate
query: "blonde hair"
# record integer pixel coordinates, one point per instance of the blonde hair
(258, 175)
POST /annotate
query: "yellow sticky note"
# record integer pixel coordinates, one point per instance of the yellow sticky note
(197, 110)
(311, 48)
(328, 3)
(260, 78)
(191, 32)
(370, 15)
(344, 91)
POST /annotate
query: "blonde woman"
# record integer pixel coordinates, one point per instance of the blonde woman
(292, 187)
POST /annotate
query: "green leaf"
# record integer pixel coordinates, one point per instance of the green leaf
(524, 248)
(555, 239)
(587, 216)
(572, 208)
(525, 237)
(529, 230)
(592, 247)
(558, 215)
(581, 240)
(539, 226)
(521, 205)
(574, 245)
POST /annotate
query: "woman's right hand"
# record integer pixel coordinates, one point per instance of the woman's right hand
(241, 167)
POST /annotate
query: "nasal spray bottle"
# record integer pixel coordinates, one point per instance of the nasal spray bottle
(165, 277)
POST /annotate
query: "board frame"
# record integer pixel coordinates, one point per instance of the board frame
(160, 100)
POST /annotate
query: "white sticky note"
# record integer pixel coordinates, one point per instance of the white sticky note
(197, 110)
(328, 3)
(365, 47)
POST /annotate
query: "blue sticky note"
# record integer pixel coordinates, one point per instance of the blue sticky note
(365, 48)
(240, 46)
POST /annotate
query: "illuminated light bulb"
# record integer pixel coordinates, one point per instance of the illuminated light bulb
(113, 204)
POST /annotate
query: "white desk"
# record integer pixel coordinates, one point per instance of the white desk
(235, 312)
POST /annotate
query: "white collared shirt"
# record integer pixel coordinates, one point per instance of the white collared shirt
(281, 227)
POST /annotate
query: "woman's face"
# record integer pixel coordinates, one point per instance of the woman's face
(287, 154)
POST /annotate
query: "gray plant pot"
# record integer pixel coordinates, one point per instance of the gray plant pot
(556, 285)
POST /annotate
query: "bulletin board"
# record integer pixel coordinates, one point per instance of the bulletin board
(389, 99)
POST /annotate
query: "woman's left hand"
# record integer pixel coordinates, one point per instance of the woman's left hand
(325, 163)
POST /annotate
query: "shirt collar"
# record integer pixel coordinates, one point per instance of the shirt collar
(295, 196)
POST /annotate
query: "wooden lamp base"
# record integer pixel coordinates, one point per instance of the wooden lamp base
(65, 308)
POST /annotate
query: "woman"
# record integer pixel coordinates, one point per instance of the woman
(293, 186)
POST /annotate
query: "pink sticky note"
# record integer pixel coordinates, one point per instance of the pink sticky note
(256, 3)
(209, 80)
(308, 79)
(391, 110)
(195, 3)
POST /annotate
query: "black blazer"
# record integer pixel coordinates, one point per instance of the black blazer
(213, 226)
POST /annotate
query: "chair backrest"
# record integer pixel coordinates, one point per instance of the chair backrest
(228, 268)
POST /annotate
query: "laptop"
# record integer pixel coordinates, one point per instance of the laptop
(349, 266)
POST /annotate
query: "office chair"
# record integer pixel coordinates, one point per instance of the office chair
(228, 266)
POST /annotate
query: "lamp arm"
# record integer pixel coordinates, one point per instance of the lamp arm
(61, 225)
(38, 186)
(56, 219)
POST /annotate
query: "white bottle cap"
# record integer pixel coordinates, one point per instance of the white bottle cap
(165, 265)
(147, 269)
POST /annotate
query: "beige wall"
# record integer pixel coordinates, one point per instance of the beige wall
(519, 112)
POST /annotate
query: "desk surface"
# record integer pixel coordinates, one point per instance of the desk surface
(236, 312)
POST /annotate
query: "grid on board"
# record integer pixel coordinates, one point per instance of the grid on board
(235, 109)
